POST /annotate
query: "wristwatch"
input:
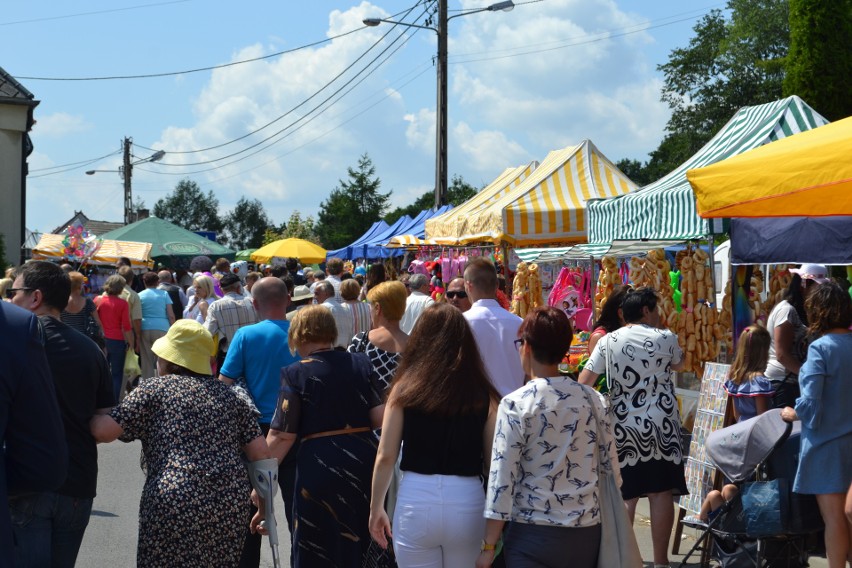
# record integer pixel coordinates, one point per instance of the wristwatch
(485, 546)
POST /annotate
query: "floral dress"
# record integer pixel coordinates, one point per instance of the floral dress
(195, 503)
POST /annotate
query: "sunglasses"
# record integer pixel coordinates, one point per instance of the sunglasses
(10, 292)
(461, 294)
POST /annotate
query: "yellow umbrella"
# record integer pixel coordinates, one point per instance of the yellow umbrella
(305, 251)
(807, 174)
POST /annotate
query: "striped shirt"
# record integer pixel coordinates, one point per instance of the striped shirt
(227, 315)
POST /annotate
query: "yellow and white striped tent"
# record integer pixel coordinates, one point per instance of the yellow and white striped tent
(549, 206)
(447, 228)
(50, 247)
(409, 241)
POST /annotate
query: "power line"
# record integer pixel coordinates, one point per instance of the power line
(516, 52)
(80, 163)
(316, 115)
(199, 69)
(300, 119)
(49, 18)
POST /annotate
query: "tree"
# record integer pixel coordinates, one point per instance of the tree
(189, 208)
(819, 65)
(458, 192)
(728, 64)
(295, 227)
(352, 207)
(245, 225)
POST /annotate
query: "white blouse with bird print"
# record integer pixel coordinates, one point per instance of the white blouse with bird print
(543, 464)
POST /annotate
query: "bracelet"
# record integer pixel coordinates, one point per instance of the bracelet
(485, 546)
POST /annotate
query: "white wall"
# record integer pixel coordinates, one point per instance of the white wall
(13, 123)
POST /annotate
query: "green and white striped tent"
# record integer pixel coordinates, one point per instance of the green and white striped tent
(665, 209)
(618, 248)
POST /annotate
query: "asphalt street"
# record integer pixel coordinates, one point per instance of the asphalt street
(111, 537)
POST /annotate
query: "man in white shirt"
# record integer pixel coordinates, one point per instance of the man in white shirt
(324, 295)
(333, 270)
(417, 301)
(494, 328)
(228, 314)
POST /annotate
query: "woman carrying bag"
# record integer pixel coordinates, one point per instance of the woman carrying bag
(552, 438)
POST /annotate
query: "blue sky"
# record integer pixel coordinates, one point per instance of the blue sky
(544, 76)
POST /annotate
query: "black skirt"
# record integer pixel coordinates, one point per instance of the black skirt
(654, 476)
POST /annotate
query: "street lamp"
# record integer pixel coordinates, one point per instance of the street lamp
(441, 110)
(126, 172)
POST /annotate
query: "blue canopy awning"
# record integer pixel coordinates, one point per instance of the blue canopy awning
(346, 252)
(791, 240)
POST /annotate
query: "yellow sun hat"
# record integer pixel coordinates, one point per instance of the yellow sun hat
(188, 345)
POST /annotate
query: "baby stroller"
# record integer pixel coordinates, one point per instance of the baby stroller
(766, 525)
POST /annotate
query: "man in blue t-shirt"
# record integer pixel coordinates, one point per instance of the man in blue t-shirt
(256, 354)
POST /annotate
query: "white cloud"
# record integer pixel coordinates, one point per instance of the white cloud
(59, 124)
(553, 74)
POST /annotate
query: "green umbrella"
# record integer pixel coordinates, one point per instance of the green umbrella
(171, 245)
(245, 254)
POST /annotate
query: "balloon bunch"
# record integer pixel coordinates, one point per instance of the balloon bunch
(79, 245)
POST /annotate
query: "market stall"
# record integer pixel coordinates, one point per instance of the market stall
(347, 252)
(52, 247)
(448, 227)
(171, 245)
(809, 173)
(548, 206)
(666, 208)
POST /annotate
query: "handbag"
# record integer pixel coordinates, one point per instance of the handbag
(618, 545)
(378, 557)
(93, 330)
(765, 504)
(131, 365)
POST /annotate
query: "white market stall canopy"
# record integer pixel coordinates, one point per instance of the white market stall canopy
(50, 247)
(666, 209)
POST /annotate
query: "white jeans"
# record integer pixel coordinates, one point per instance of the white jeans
(438, 522)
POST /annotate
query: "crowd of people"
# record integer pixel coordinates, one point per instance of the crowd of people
(439, 427)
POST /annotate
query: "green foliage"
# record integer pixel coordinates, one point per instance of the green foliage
(728, 64)
(188, 207)
(295, 227)
(352, 207)
(458, 192)
(819, 65)
(246, 224)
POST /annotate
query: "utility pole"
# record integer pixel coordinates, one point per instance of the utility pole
(127, 173)
(441, 110)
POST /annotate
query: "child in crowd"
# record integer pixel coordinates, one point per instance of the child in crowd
(750, 390)
(712, 505)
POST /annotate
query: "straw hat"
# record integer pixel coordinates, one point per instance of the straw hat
(187, 344)
(301, 292)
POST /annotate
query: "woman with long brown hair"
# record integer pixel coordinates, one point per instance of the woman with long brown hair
(442, 409)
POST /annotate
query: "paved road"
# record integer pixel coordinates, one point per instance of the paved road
(111, 537)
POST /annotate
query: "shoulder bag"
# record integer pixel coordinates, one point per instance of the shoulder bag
(618, 541)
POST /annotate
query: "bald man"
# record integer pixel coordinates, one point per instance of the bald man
(257, 353)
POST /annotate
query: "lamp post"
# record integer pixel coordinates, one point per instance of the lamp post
(441, 107)
(126, 172)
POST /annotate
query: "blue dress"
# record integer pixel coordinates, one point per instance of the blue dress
(825, 465)
(746, 393)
